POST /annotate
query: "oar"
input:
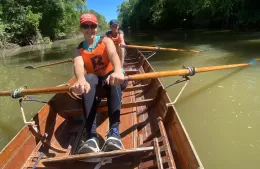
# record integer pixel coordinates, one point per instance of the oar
(182, 72)
(159, 48)
(48, 90)
(142, 76)
(128, 46)
(56, 63)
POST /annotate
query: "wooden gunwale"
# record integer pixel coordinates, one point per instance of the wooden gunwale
(143, 106)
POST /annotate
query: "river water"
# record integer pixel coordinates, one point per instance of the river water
(220, 109)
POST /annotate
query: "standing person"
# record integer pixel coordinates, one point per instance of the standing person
(98, 56)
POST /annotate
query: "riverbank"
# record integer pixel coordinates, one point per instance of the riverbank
(29, 48)
(15, 49)
(7, 45)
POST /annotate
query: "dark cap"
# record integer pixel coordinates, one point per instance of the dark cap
(113, 22)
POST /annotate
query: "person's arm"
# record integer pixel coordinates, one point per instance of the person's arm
(121, 34)
(78, 66)
(117, 77)
(122, 50)
(112, 54)
(81, 86)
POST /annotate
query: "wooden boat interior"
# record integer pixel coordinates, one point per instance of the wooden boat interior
(151, 129)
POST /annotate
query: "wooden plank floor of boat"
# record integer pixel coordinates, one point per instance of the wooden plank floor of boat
(127, 128)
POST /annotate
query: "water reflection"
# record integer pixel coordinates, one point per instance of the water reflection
(220, 109)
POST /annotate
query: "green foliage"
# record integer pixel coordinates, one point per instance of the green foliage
(27, 21)
(168, 14)
(102, 24)
(2, 31)
(125, 13)
(46, 40)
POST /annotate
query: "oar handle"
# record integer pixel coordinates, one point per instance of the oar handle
(47, 90)
(159, 48)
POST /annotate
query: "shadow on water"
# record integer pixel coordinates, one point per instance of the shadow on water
(6, 128)
(204, 88)
(47, 55)
(50, 73)
(240, 44)
(169, 56)
(234, 125)
(38, 53)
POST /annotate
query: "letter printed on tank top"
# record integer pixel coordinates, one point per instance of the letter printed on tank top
(97, 60)
(97, 63)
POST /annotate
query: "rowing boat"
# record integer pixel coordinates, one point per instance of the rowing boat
(152, 132)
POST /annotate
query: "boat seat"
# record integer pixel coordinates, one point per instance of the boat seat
(103, 107)
(97, 157)
(131, 71)
(158, 148)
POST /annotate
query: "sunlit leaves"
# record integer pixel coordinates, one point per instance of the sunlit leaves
(168, 14)
(29, 21)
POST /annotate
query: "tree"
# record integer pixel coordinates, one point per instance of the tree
(168, 14)
(27, 21)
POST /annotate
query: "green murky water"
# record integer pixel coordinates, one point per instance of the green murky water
(219, 109)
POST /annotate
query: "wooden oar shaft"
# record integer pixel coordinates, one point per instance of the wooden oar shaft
(47, 90)
(142, 76)
(212, 68)
(159, 48)
(56, 63)
(5, 93)
(180, 72)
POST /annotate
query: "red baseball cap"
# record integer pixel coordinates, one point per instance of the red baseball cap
(87, 17)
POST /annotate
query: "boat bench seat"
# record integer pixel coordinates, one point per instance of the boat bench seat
(104, 108)
(97, 157)
(131, 71)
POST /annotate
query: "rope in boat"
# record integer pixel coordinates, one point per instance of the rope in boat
(184, 78)
(17, 92)
(177, 97)
(32, 123)
(38, 160)
(105, 160)
(150, 55)
(41, 153)
(28, 98)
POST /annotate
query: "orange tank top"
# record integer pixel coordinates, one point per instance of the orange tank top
(96, 61)
(116, 39)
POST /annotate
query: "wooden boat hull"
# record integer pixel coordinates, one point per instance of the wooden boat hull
(151, 130)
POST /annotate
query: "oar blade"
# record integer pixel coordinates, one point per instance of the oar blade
(29, 67)
(56, 63)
